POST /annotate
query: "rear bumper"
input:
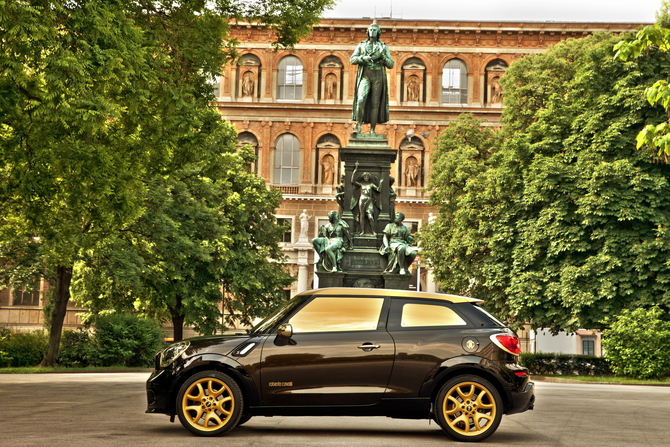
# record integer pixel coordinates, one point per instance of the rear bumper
(522, 399)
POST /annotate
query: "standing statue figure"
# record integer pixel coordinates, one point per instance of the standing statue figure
(413, 89)
(364, 204)
(392, 196)
(333, 241)
(371, 97)
(397, 244)
(304, 224)
(496, 91)
(339, 195)
(331, 85)
(412, 174)
(328, 174)
(248, 84)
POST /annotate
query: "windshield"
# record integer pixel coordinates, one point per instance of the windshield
(271, 320)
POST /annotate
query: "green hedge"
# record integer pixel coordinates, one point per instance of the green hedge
(117, 340)
(637, 343)
(566, 365)
(19, 349)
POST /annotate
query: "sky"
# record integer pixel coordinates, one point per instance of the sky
(636, 11)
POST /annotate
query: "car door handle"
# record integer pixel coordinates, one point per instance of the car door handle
(368, 347)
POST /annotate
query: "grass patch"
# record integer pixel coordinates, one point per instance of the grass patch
(64, 369)
(611, 379)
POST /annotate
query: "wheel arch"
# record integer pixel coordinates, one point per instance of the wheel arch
(466, 365)
(222, 364)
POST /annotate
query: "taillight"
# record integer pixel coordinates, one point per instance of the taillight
(508, 343)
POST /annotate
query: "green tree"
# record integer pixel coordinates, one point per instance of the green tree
(566, 221)
(98, 96)
(636, 343)
(207, 227)
(654, 135)
(454, 240)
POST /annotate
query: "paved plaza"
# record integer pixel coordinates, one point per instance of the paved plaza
(107, 409)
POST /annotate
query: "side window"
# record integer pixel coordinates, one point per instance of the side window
(287, 160)
(455, 82)
(426, 315)
(287, 237)
(338, 314)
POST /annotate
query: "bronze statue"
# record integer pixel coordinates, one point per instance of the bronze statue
(364, 204)
(392, 196)
(397, 244)
(339, 195)
(333, 241)
(371, 97)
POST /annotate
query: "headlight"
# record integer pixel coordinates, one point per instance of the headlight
(173, 351)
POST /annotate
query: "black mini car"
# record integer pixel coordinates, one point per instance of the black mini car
(350, 352)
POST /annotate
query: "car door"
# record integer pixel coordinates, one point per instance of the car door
(339, 354)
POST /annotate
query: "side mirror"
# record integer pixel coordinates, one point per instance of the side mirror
(285, 331)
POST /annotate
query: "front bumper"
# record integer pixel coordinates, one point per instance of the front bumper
(157, 392)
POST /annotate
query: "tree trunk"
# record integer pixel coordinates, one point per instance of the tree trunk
(61, 297)
(178, 320)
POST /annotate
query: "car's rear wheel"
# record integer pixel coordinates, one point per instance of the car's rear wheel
(209, 404)
(468, 408)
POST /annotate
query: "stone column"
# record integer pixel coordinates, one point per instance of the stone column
(303, 263)
(430, 281)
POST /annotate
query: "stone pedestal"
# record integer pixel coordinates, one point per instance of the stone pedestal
(328, 279)
(395, 281)
(362, 264)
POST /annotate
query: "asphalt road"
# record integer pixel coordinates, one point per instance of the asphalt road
(77, 410)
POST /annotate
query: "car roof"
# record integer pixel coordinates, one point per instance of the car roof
(394, 293)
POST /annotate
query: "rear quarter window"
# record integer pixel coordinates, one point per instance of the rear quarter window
(429, 315)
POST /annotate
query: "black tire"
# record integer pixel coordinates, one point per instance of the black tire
(468, 408)
(209, 404)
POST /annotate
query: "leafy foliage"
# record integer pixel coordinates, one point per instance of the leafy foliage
(117, 340)
(125, 340)
(76, 349)
(637, 343)
(208, 227)
(21, 348)
(562, 222)
(97, 98)
(655, 136)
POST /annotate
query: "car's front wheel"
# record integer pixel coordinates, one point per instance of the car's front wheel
(209, 404)
(468, 408)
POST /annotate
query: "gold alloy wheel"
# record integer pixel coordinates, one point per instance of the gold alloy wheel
(208, 404)
(469, 408)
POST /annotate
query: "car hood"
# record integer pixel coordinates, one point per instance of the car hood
(219, 344)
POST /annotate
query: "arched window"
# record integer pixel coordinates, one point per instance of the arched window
(289, 79)
(287, 160)
(455, 82)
